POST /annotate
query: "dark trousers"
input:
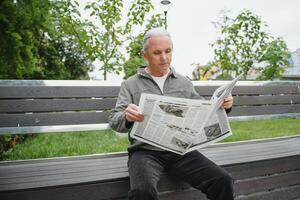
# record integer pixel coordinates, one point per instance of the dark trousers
(146, 166)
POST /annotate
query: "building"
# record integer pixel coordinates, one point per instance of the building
(293, 72)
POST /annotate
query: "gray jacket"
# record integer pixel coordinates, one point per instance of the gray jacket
(175, 85)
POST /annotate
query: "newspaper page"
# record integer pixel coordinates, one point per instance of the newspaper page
(181, 125)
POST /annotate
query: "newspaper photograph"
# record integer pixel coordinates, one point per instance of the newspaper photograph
(182, 125)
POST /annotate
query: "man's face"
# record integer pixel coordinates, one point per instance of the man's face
(159, 53)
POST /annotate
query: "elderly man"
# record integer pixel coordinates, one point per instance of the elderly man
(146, 163)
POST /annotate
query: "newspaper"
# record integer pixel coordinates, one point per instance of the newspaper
(182, 125)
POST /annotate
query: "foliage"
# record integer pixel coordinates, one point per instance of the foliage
(40, 40)
(111, 35)
(70, 40)
(276, 58)
(19, 34)
(132, 64)
(135, 46)
(244, 46)
(204, 72)
(8, 142)
(50, 40)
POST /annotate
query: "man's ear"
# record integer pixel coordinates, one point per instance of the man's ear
(144, 55)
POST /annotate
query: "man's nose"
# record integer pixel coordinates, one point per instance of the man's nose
(163, 56)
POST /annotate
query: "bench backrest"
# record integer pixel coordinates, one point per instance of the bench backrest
(47, 106)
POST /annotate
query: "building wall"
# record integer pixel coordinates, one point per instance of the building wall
(293, 72)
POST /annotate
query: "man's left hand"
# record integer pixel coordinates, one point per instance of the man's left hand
(228, 101)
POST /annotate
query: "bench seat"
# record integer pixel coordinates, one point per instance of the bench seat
(259, 167)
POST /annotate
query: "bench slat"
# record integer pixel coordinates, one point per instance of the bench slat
(26, 171)
(264, 110)
(90, 191)
(41, 119)
(262, 100)
(283, 193)
(279, 194)
(12, 92)
(22, 92)
(252, 90)
(266, 89)
(266, 183)
(55, 105)
(191, 194)
(268, 167)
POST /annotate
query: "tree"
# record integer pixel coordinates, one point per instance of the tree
(275, 57)
(19, 34)
(40, 40)
(204, 72)
(50, 40)
(245, 46)
(110, 35)
(135, 46)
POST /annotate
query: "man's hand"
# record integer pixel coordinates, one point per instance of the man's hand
(228, 101)
(132, 113)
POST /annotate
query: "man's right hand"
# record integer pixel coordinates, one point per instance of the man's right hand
(132, 113)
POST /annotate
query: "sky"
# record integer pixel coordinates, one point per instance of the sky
(191, 28)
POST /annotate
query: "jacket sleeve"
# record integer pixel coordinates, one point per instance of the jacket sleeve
(116, 118)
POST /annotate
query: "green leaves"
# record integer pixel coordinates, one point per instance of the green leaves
(50, 40)
(244, 46)
(136, 14)
(42, 40)
(113, 26)
(135, 46)
(276, 58)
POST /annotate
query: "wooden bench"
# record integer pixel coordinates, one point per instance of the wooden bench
(264, 169)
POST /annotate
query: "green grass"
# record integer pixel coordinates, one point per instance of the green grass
(68, 144)
(249, 130)
(83, 143)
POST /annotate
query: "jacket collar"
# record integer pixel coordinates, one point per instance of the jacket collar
(142, 72)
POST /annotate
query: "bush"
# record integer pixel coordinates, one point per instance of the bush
(8, 142)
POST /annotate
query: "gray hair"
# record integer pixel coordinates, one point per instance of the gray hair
(154, 33)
